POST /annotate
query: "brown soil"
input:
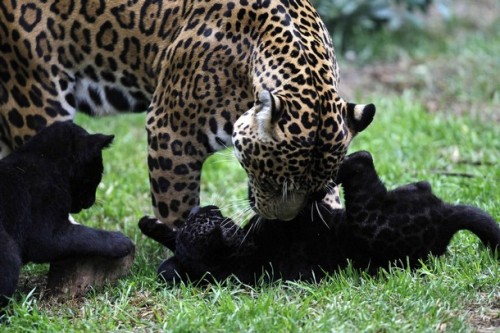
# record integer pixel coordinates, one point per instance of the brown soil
(486, 317)
(429, 78)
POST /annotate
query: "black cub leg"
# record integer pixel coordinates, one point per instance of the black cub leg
(160, 232)
(10, 266)
(171, 271)
(78, 240)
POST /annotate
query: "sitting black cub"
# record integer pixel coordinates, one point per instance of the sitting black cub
(376, 228)
(55, 173)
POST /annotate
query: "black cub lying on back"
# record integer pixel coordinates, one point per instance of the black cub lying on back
(291, 250)
(377, 227)
(56, 173)
(407, 222)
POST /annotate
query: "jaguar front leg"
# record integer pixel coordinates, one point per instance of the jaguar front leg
(174, 165)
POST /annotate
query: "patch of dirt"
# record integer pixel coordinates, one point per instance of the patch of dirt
(29, 282)
(479, 13)
(437, 82)
(430, 81)
(486, 318)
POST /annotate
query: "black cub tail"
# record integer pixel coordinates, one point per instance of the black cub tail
(478, 222)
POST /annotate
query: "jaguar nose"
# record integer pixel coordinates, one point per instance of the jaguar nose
(194, 211)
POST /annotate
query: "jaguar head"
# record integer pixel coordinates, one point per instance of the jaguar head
(291, 149)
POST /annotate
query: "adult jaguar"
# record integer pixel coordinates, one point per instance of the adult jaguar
(260, 74)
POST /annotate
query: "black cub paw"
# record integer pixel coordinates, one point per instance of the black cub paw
(147, 225)
(119, 245)
(158, 231)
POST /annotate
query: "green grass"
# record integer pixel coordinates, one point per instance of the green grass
(456, 293)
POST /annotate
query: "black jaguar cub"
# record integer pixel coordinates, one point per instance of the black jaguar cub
(376, 228)
(407, 223)
(55, 173)
(301, 249)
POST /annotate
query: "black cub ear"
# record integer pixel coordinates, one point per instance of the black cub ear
(100, 141)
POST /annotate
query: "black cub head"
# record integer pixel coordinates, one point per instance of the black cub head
(75, 153)
(358, 165)
(206, 237)
(87, 167)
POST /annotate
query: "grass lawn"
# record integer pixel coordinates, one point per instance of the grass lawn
(459, 155)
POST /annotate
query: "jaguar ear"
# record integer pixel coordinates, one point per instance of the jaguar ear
(268, 111)
(359, 116)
